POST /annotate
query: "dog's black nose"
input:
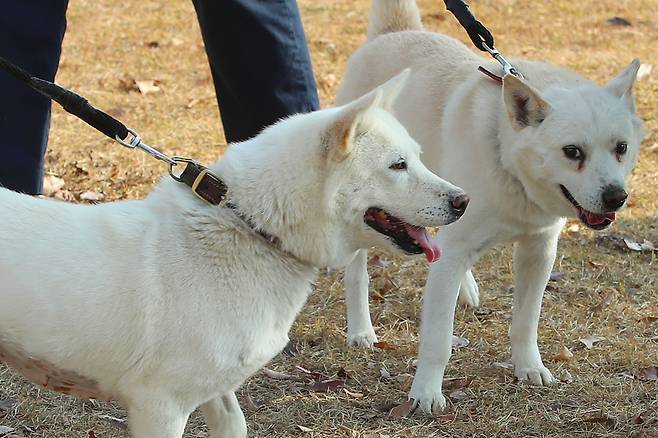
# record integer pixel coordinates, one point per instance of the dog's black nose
(459, 203)
(613, 198)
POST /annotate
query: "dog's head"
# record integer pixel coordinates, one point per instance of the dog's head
(383, 194)
(341, 179)
(573, 147)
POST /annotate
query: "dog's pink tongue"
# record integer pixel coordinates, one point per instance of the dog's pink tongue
(596, 219)
(429, 245)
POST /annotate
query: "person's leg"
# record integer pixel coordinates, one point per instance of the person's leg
(259, 61)
(31, 34)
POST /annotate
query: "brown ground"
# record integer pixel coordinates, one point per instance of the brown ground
(607, 290)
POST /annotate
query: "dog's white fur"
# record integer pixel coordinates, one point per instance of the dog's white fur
(168, 303)
(503, 146)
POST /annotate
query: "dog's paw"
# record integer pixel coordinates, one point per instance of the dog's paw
(429, 400)
(469, 293)
(365, 338)
(537, 375)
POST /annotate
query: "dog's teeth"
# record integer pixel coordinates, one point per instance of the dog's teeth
(416, 242)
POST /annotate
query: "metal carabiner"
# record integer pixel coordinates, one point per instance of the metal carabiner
(508, 68)
(136, 142)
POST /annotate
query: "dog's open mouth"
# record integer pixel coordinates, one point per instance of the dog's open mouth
(596, 221)
(410, 238)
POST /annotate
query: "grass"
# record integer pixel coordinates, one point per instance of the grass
(607, 290)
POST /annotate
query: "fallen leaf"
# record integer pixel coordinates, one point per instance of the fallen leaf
(326, 385)
(643, 72)
(564, 354)
(91, 196)
(457, 394)
(457, 383)
(402, 410)
(7, 404)
(5, 430)
(383, 345)
(618, 21)
(593, 263)
(557, 276)
(376, 296)
(147, 86)
(91, 434)
(250, 405)
(508, 365)
(304, 428)
(51, 185)
(152, 44)
(378, 260)
(590, 340)
(384, 373)
(445, 417)
(648, 318)
(313, 374)
(459, 342)
(638, 246)
(602, 418)
(566, 377)
(649, 373)
(353, 394)
(119, 423)
(276, 375)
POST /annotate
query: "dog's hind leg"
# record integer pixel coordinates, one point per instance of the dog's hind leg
(469, 293)
(155, 416)
(224, 417)
(359, 325)
(533, 260)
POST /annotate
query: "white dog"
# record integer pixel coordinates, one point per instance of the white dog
(529, 153)
(169, 303)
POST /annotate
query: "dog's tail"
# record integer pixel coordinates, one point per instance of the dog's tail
(388, 16)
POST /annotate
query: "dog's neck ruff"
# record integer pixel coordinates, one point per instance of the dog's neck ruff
(271, 239)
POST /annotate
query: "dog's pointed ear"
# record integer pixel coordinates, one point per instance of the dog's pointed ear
(393, 87)
(525, 107)
(622, 84)
(351, 120)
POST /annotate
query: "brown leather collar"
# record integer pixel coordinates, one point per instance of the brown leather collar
(203, 183)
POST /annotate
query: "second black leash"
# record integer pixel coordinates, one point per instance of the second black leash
(204, 184)
(477, 31)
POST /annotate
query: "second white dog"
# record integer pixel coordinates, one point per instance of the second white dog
(529, 153)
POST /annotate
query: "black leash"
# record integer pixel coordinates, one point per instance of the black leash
(203, 183)
(481, 37)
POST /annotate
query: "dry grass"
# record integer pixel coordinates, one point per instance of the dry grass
(607, 290)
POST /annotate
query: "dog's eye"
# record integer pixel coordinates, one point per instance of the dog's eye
(573, 153)
(621, 148)
(399, 165)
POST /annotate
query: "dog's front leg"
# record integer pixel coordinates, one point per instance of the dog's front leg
(359, 325)
(224, 417)
(438, 313)
(533, 260)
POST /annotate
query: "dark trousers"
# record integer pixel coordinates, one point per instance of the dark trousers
(257, 53)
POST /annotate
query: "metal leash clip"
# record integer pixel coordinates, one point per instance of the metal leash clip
(136, 142)
(507, 67)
